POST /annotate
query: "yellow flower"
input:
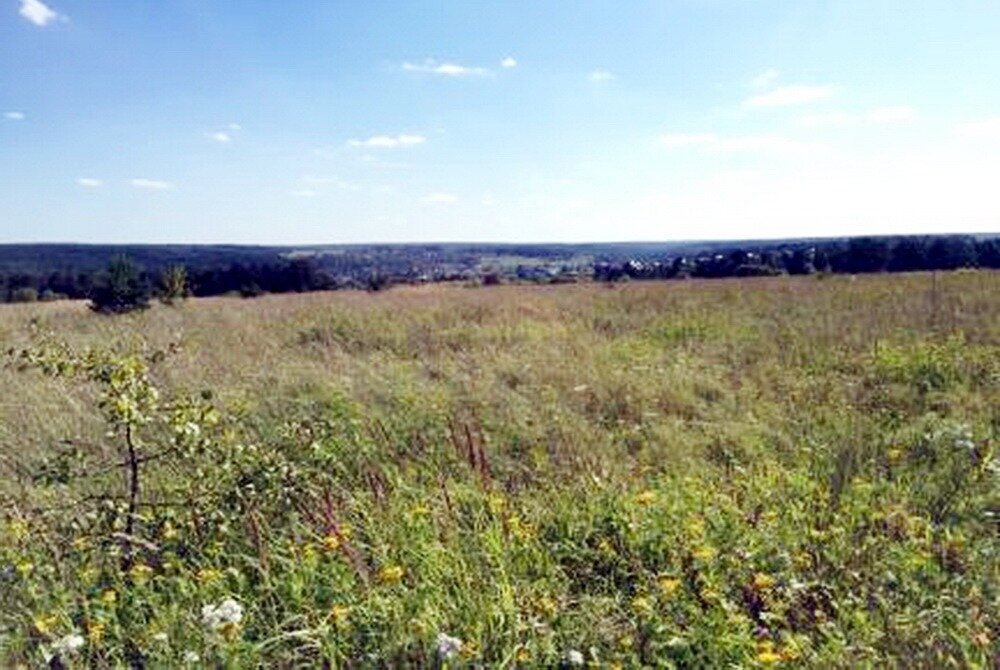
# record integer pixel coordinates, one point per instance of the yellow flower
(766, 653)
(45, 624)
(469, 650)
(140, 572)
(420, 510)
(625, 642)
(668, 585)
(208, 575)
(523, 655)
(18, 528)
(704, 553)
(605, 547)
(496, 502)
(390, 574)
(346, 530)
(25, 568)
(80, 543)
(762, 581)
(95, 631)
(109, 597)
(546, 606)
(331, 543)
(169, 532)
(647, 497)
(339, 614)
(894, 455)
(642, 606)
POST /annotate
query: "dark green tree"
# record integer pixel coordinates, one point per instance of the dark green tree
(121, 289)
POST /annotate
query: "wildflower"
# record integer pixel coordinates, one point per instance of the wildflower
(448, 646)
(642, 606)
(605, 547)
(574, 657)
(668, 585)
(44, 624)
(647, 497)
(208, 575)
(330, 543)
(169, 532)
(763, 581)
(766, 653)
(18, 528)
(191, 657)
(339, 614)
(546, 606)
(140, 572)
(224, 617)
(390, 574)
(109, 597)
(159, 637)
(523, 655)
(25, 568)
(704, 553)
(95, 632)
(80, 543)
(68, 644)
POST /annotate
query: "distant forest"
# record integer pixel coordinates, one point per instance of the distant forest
(30, 272)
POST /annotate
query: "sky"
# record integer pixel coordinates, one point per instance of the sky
(262, 122)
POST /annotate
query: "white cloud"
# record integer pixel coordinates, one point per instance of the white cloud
(440, 198)
(508, 63)
(389, 141)
(765, 78)
(14, 116)
(601, 76)
(789, 95)
(220, 136)
(152, 184)
(739, 143)
(896, 114)
(431, 66)
(985, 129)
(89, 182)
(235, 126)
(38, 12)
(302, 193)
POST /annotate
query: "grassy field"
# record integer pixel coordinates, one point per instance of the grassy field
(791, 472)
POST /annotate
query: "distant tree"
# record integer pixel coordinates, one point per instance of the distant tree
(909, 253)
(173, 284)
(24, 294)
(121, 290)
(988, 253)
(949, 253)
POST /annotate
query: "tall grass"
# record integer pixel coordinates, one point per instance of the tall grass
(736, 473)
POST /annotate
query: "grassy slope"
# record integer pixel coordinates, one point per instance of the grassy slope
(792, 471)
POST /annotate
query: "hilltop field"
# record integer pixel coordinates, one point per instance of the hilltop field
(781, 472)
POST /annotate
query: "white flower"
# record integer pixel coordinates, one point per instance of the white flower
(574, 657)
(191, 657)
(448, 646)
(160, 637)
(227, 613)
(69, 644)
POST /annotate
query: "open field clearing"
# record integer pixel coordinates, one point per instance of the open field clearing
(789, 472)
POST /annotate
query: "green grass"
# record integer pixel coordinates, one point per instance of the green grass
(787, 471)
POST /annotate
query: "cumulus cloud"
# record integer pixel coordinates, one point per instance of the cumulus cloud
(89, 182)
(985, 129)
(38, 12)
(508, 63)
(152, 184)
(749, 143)
(765, 78)
(431, 66)
(601, 76)
(220, 136)
(389, 141)
(440, 198)
(14, 116)
(789, 95)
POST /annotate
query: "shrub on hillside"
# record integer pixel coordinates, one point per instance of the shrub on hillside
(121, 290)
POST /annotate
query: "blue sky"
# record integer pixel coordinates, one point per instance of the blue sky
(293, 122)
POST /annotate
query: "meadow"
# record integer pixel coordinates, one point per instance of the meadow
(770, 472)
